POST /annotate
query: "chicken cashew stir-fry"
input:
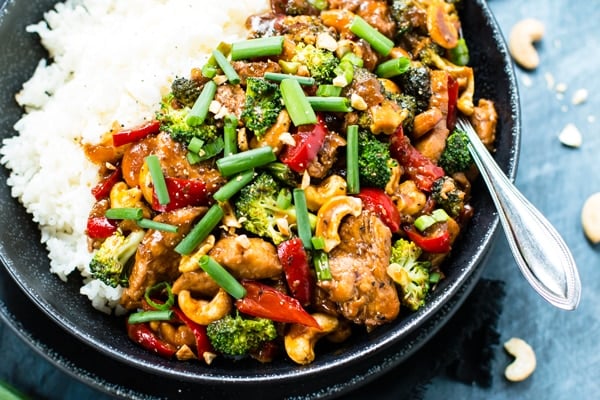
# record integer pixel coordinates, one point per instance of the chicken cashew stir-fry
(298, 186)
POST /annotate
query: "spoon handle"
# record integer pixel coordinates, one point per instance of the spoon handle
(539, 250)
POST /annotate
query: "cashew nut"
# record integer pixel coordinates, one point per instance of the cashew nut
(524, 364)
(590, 218)
(521, 39)
(204, 312)
(300, 340)
(441, 24)
(190, 262)
(330, 216)
(334, 185)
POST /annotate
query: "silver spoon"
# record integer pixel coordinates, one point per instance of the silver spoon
(540, 252)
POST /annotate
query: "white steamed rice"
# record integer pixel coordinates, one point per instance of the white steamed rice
(112, 61)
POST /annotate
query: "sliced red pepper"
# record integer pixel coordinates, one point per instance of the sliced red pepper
(377, 201)
(452, 103)
(126, 136)
(294, 260)
(182, 193)
(308, 140)
(145, 337)
(418, 167)
(102, 189)
(100, 227)
(203, 345)
(440, 243)
(264, 301)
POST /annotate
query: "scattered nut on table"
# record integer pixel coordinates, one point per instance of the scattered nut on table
(520, 43)
(570, 136)
(590, 218)
(524, 364)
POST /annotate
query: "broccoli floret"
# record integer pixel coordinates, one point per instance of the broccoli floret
(109, 264)
(406, 15)
(185, 91)
(257, 209)
(173, 121)
(321, 63)
(237, 336)
(448, 196)
(374, 161)
(456, 157)
(408, 105)
(282, 173)
(415, 82)
(263, 105)
(410, 274)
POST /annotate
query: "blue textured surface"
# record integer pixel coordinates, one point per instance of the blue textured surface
(555, 178)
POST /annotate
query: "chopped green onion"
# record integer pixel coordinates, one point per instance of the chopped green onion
(330, 104)
(352, 176)
(195, 145)
(278, 77)
(289, 67)
(434, 277)
(147, 316)
(158, 179)
(302, 218)
(344, 70)
(459, 55)
(158, 226)
(234, 185)
(440, 215)
(393, 67)
(318, 242)
(211, 149)
(424, 221)
(361, 28)
(8, 392)
(329, 91)
(209, 70)
(245, 160)
(284, 199)
(223, 278)
(159, 288)
(230, 135)
(319, 4)
(201, 230)
(254, 48)
(193, 158)
(124, 213)
(199, 110)
(226, 67)
(321, 264)
(353, 59)
(296, 103)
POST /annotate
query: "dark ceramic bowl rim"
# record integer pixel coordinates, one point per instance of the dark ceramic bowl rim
(462, 265)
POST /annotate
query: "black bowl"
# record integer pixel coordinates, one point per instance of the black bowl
(26, 259)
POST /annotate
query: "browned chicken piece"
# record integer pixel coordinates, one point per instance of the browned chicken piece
(197, 282)
(326, 156)
(304, 28)
(366, 85)
(350, 5)
(173, 160)
(232, 97)
(156, 259)
(246, 257)
(484, 120)
(432, 144)
(254, 69)
(377, 14)
(363, 291)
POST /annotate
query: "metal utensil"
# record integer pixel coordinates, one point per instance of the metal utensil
(540, 252)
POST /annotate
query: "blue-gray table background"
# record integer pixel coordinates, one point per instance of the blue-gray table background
(557, 179)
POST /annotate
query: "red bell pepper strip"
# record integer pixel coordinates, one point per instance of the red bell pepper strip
(431, 244)
(203, 344)
(126, 136)
(418, 167)
(102, 189)
(145, 337)
(297, 273)
(308, 140)
(100, 227)
(377, 201)
(264, 301)
(452, 103)
(182, 193)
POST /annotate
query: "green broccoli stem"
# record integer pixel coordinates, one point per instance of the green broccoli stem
(329, 91)
(152, 315)
(226, 67)
(302, 218)
(245, 160)
(234, 185)
(296, 103)
(199, 111)
(201, 230)
(352, 173)
(255, 48)
(330, 104)
(278, 77)
(393, 67)
(376, 39)
(223, 278)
